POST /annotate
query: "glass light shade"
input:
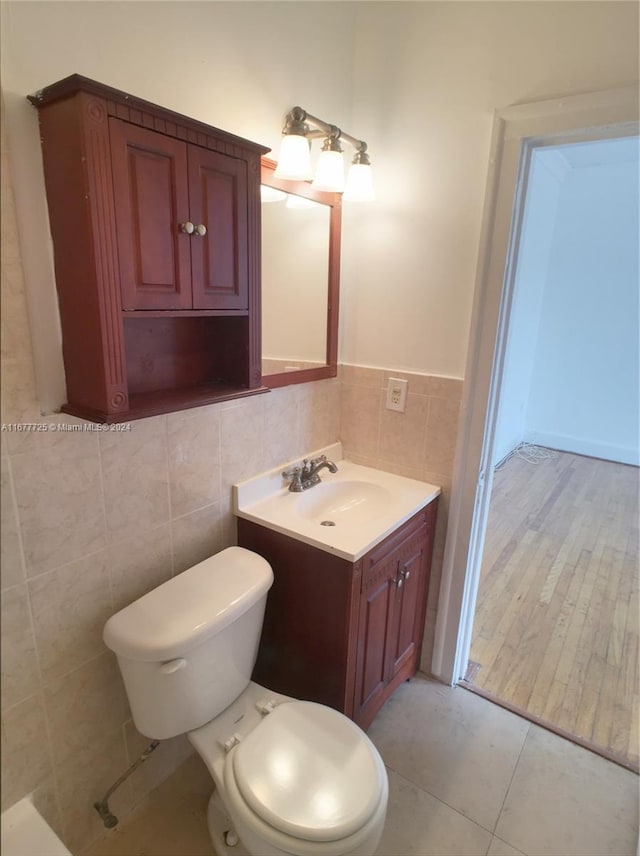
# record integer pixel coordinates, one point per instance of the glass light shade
(271, 194)
(359, 184)
(299, 202)
(329, 172)
(294, 162)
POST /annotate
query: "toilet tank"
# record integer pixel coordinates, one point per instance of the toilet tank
(187, 649)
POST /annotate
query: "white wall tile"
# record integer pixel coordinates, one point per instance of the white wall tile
(26, 762)
(60, 502)
(69, 607)
(138, 564)
(196, 536)
(11, 562)
(20, 673)
(194, 459)
(135, 477)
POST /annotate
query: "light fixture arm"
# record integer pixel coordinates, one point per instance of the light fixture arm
(298, 120)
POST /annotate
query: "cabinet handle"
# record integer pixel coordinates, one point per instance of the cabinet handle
(402, 576)
(187, 227)
(200, 230)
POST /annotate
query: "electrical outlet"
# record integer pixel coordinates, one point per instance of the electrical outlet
(397, 394)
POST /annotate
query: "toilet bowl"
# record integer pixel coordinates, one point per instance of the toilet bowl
(292, 778)
(298, 778)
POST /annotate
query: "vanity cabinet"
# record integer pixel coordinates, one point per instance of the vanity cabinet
(155, 220)
(343, 633)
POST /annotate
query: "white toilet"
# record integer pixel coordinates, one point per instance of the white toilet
(291, 777)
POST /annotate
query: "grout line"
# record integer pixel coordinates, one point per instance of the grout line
(104, 519)
(439, 799)
(14, 505)
(515, 767)
(425, 437)
(169, 506)
(61, 677)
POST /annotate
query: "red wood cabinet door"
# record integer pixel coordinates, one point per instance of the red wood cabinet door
(372, 662)
(405, 627)
(218, 201)
(151, 200)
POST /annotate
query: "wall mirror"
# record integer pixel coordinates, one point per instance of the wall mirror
(300, 280)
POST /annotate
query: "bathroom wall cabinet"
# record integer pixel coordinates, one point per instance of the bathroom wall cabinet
(342, 633)
(155, 220)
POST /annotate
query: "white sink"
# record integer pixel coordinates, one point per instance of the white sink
(342, 501)
(347, 514)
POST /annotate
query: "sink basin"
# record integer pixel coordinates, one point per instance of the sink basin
(343, 501)
(347, 514)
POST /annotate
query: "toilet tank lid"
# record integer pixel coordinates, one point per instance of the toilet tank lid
(187, 609)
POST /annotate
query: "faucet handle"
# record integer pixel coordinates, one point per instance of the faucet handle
(295, 475)
(315, 461)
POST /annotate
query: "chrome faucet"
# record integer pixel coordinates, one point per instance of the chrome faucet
(306, 476)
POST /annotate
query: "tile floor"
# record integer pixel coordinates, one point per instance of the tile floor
(467, 778)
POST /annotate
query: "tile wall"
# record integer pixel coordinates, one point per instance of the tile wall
(418, 443)
(92, 520)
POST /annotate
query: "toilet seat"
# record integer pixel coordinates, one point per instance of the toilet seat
(309, 772)
(267, 823)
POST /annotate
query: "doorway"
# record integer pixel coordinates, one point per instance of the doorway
(556, 632)
(555, 636)
(518, 133)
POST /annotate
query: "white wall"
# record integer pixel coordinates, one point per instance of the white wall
(585, 386)
(531, 275)
(428, 78)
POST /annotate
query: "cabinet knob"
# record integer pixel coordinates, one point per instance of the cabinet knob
(187, 227)
(200, 230)
(405, 573)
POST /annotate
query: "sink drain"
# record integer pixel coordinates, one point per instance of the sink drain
(327, 523)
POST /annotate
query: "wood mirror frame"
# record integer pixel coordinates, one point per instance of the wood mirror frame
(334, 201)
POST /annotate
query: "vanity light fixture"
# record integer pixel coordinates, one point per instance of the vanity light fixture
(295, 157)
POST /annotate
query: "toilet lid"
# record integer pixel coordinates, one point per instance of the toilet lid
(310, 772)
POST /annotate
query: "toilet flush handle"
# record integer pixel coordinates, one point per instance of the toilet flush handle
(172, 666)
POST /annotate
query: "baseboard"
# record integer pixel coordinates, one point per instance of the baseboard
(583, 446)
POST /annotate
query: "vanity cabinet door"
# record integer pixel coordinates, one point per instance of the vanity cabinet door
(151, 198)
(392, 613)
(405, 631)
(374, 621)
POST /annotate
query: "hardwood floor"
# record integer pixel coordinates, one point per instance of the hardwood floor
(556, 626)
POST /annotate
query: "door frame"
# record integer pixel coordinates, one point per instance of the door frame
(517, 132)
